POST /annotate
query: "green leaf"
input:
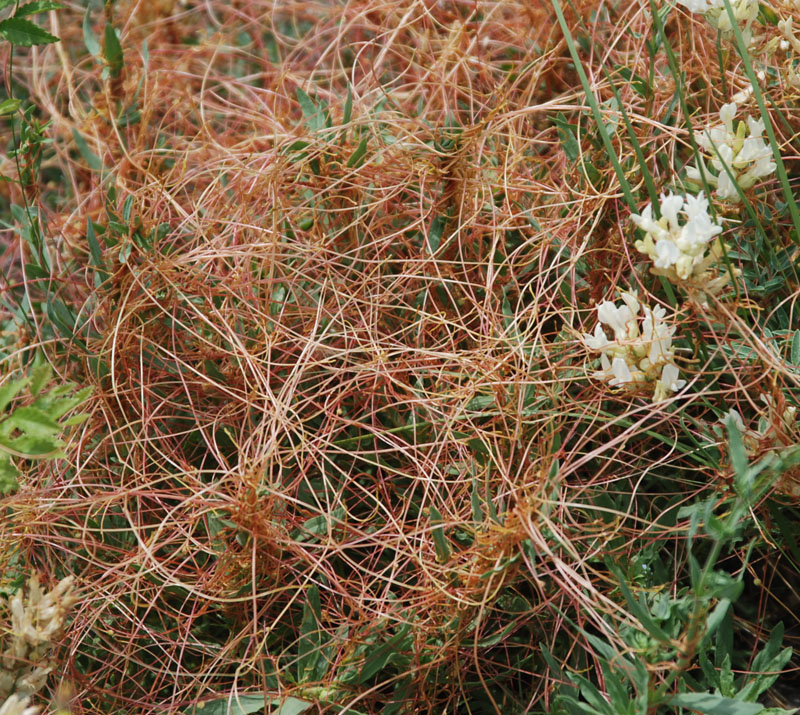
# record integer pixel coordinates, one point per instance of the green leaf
(309, 648)
(439, 540)
(435, 233)
(8, 475)
(767, 15)
(89, 38)
(567, 136)
(34, 422)
(292, 706)
(6, 3)
(739, 461)
(10, 390)
(24, 33)
(358, 154)
(710, 704)
(40, 377)
(37, 6)
(796, 348)
(34, 447)
(9, 106)
(112, 50)
(348, 105)
(319, 525)
(639, 610)
(241, 705)
(88, 155)
(312, 112)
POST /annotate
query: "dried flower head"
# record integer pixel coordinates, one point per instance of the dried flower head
(36, 623)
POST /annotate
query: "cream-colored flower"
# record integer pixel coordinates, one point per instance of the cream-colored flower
(678, 250)
(641, 351)
(17, 705)
(732, 154)
(744, 11)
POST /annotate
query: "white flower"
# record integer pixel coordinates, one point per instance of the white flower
(17, 705)
(679, 250)
(640, 352)
(746, 159)
(715, 12)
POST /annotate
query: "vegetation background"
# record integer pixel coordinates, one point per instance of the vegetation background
(324, 268)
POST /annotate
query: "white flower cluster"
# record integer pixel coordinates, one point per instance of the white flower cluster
(747, 158)
(36, 623)
(715, 12)
(640, 352)
(679, 250)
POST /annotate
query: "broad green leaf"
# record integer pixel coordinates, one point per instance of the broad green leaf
(34, 447)
(10, 390)
(34, 422)
(710, 704)
(23, 33)
(112, 50)
(292, 706)
(8, 475)
(37, 6)
(40, 377)
(241, 705)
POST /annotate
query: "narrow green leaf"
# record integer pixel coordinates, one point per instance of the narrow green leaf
(88, 155)
(112, 50)
(439, 539)
(37, 6)
(9, 106)
(796, 348)
(475, 500)
(23, 33)
(358, 154)
(737, 453)
(435, 233)
(89, 38)
(638, 609)
(596, 113)
(311, 111)
(348, 106)
(94, 245)
(309, 646)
